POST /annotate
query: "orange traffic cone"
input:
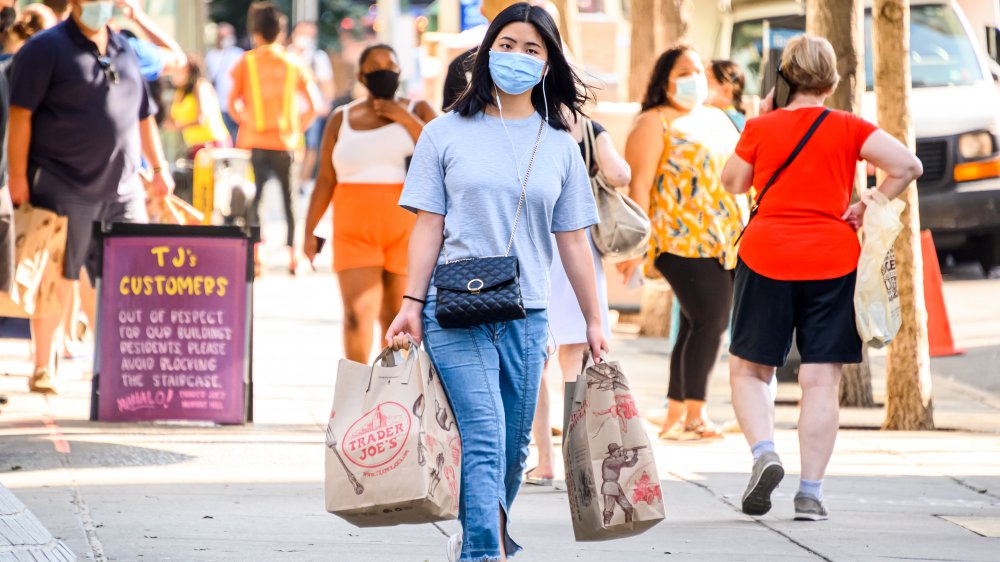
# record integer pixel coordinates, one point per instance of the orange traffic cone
(938, 327)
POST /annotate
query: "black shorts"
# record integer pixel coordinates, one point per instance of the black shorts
(821, 314)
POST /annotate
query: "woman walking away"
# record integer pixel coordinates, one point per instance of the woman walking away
(498, 176)
(363, 161)
(725, 90)
(798, 262)
(196, 111)
(567, 326)
(677, 149)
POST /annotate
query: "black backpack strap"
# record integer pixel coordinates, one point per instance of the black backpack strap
(788, 162)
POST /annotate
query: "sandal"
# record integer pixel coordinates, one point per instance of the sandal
(536, 480)
(675, 433)
(701, 430)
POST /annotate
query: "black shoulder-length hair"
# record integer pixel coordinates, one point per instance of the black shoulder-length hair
(659, 81)
(563, 87)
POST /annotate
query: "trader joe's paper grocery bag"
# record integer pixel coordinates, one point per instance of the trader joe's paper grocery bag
(613, 487)
(393, 454)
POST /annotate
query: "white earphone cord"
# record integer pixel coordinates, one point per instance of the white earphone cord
(513, 147)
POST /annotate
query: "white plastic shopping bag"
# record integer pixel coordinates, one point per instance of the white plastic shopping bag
(876, 295)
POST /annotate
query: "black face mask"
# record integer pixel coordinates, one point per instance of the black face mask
(382, 83)
(7, 18)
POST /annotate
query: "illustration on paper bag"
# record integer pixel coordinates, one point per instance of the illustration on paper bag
(611, 471)
(331, 443)
(623, 410)
(606, 378)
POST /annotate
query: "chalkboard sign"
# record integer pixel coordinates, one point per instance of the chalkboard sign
(174, 324)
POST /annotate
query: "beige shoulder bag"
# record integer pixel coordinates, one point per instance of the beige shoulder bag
(624, 229)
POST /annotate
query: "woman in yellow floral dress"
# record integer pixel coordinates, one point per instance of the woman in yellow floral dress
(677, 149)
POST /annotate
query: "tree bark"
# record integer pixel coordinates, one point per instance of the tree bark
(655, 310)
(856, 384)
(569, 25)
(645, 45)
(909, 405)
(840, 21)
(676, 17)
(656, 25)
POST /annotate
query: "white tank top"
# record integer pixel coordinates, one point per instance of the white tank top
(373, 156)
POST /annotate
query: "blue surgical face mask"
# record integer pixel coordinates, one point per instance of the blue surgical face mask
(692, 91)
(515, 73)
(96, 15)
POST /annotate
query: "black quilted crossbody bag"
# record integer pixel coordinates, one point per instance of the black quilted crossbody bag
(475, 291)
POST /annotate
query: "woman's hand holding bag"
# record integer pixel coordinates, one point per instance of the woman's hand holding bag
(408, 324)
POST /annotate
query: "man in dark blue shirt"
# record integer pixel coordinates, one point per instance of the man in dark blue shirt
(80, 122)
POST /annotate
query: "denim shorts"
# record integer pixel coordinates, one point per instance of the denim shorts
(491, 373)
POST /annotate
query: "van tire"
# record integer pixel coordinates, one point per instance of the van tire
(987, 250)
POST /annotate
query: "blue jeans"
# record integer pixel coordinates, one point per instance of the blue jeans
(491, 373)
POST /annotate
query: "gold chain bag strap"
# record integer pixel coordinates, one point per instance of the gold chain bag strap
(475, 291)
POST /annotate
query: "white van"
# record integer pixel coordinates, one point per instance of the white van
(955, 105)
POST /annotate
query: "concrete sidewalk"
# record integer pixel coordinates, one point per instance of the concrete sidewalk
(186, 492)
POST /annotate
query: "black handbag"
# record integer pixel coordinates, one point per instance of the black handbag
(475, 291)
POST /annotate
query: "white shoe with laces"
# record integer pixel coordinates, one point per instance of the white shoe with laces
(455, 547)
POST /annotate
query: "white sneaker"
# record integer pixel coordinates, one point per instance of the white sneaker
(455, 547)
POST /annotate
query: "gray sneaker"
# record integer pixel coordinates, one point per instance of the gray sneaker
(808, 508)
(765, 477)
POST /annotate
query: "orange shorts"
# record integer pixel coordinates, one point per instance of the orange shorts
(370, 229)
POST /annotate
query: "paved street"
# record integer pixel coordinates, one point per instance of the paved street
(191, 492)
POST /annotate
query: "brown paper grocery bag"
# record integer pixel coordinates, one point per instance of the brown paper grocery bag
(393, 452)
(39, 246)
(613, 486)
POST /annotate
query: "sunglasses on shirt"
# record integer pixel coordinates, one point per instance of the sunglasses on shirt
(109, 69)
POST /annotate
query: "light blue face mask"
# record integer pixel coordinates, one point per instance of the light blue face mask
(515, 73)
(692, 91)
(96, 15)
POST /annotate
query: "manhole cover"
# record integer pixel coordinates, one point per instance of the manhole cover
(986, 526)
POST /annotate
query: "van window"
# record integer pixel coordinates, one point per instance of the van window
(941, 54)
(748, 44)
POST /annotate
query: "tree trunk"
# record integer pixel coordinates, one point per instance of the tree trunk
(856, 384)
(676, 17)
(645, 46)
(840, 21)
(656, 25)
(569, 25)
(655, 309)
(908, 394)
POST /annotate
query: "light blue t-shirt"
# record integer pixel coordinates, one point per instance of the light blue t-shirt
(464, 168)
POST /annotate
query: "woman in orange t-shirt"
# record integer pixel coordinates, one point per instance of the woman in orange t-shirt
(797, 265)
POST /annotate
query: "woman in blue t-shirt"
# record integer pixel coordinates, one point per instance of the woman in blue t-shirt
(497, 176)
